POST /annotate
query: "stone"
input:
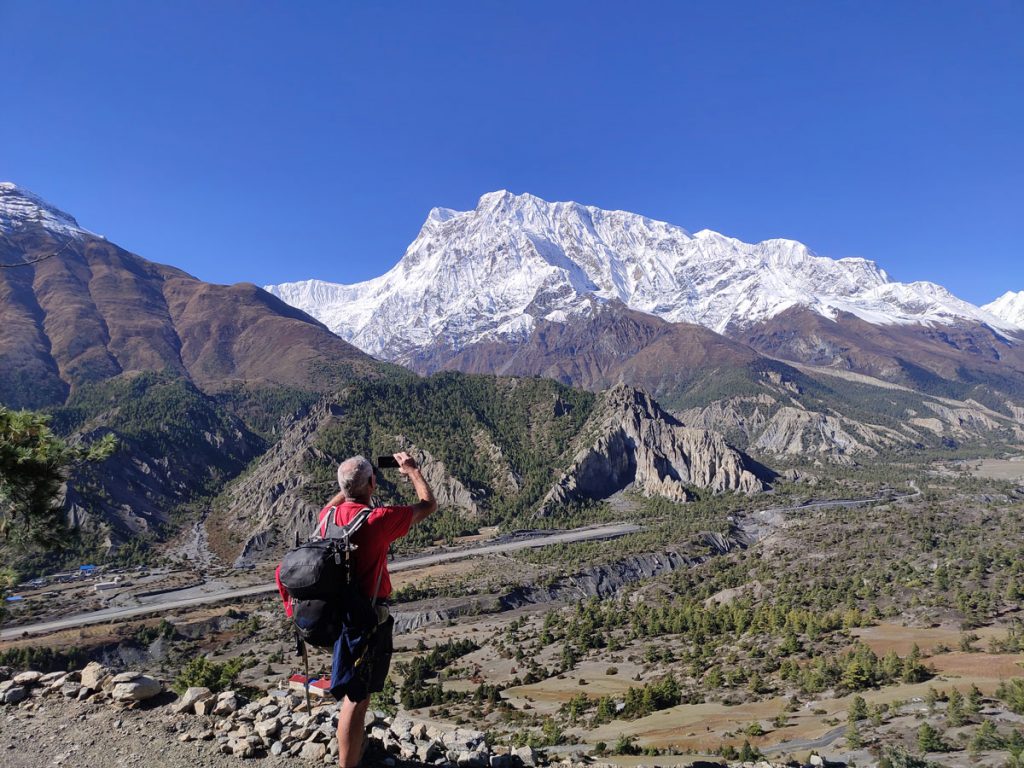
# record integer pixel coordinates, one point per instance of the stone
(526, 756)
(139, 688)
(312, 750)
(406, 750)
(226, 704)
(277, 748)
(816, 760)
(501, 761)
(71, 690)
(13, 695)
(124, 677)
(241, 748)
(27, 678)
(429, 752)
(472, 759)
(55, 684)
(187, 701)
(204, 706)
(51, 677)
(268, 728)
(94, 675)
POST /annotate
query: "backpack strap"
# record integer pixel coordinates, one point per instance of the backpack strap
(356, 522)
(328, 528)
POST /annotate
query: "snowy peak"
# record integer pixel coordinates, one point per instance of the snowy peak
(20, 210)
(492, 272)
(1008, 307)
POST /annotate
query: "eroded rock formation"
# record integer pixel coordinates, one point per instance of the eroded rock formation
(630, 440)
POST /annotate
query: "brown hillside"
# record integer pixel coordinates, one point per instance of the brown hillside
(96, 310)
(614, 345)
(902, 353)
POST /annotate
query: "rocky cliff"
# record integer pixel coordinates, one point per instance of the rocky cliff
(266, 506)
(630, 440)
(877, 416)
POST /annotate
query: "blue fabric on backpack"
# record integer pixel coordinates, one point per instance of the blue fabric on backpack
(349, 648)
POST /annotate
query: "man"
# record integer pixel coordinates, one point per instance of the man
(358, 481)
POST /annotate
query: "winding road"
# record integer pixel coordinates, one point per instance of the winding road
(796, 745)
(216, 592)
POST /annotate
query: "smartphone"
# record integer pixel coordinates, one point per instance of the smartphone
(387, 462)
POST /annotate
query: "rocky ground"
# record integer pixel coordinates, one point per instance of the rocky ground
(94, 717)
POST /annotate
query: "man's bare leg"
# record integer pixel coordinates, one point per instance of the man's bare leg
(351, 731)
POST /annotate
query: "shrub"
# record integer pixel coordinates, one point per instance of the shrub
(201, 672)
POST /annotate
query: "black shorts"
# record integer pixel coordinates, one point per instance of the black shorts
(372, 670)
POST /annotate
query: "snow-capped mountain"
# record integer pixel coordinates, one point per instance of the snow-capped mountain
(20, 209)
(492, 272)
(1008, 307)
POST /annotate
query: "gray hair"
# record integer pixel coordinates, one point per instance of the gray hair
(354, 476)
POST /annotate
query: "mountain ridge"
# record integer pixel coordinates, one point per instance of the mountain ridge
(77, 309)
(1009, 307)
(493, 272)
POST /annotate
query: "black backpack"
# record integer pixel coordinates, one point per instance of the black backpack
(318, 576)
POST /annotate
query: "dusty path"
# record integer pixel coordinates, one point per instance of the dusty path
(756, 525)
(214, 592)
(797, 745)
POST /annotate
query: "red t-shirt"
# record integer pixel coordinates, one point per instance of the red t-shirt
(383, 526)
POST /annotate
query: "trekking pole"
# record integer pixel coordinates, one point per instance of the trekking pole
(305, 685)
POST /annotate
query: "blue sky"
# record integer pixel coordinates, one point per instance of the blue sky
(278, 141)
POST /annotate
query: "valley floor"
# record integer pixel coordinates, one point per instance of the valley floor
(728, 627)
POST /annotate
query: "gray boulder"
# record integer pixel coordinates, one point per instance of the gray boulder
(139, 688)
(473, 759)
(28, 678)
(227, 703)
(429, 752)
(190, 697)
(71, 690)
(526, 756)
(94, 675)
(315, 751)
(13, 694)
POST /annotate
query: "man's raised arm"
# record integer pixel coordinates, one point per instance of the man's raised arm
(427, 505)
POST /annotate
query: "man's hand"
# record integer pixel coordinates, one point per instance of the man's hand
(406, 463)
(427, 505)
